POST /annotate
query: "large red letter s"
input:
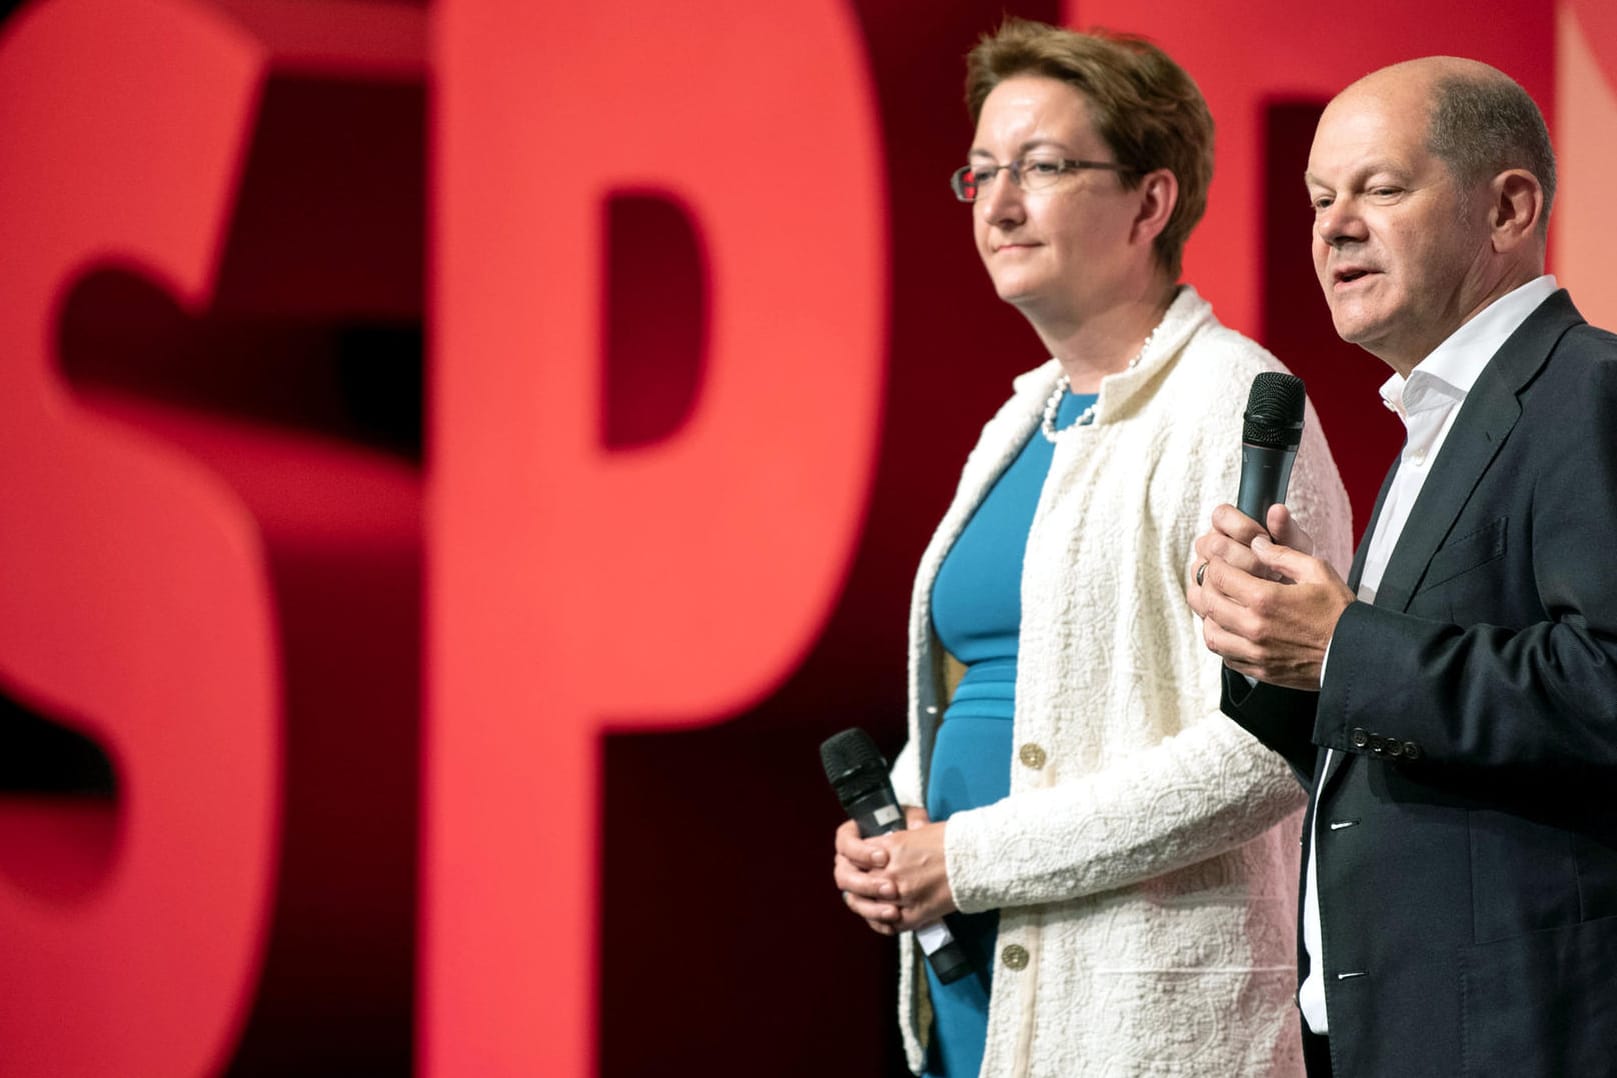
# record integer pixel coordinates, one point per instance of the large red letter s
(135, 596)
(158, 555)
(573, 585)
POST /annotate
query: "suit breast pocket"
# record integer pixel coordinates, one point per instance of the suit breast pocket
(1465, 553)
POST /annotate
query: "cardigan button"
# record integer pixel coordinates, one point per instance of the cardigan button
(1031, 755)
(1014, 956)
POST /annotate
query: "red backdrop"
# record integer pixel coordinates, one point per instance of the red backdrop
(456, 464)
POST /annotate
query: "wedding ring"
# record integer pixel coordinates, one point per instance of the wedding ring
(1201, 571)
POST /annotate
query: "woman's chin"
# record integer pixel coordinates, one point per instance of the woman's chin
(1018, 293)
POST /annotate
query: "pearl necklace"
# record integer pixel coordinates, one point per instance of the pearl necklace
(1087, 416)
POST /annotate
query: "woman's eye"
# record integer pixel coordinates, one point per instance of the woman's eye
(1041, 167)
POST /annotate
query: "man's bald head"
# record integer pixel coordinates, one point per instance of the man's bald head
(1480, 121)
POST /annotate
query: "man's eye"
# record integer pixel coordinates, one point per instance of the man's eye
(1320, 203)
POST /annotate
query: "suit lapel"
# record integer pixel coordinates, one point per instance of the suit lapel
(1486, 418)
(1357, 571)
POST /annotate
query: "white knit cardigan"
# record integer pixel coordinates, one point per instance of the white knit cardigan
(1147, 897)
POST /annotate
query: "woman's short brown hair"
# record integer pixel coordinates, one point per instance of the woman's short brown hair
(1146, 107)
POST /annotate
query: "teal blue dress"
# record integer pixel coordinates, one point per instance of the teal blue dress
(977, 615)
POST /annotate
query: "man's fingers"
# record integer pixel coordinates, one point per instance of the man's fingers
(1284, 562)
(1229, 646)
(1238, 653)
(1234, 612)
(1218, 547)
(1236, 524)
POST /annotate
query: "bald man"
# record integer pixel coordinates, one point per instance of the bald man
(1452, 707)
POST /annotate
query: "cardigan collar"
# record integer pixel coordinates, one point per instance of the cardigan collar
(1125, 392)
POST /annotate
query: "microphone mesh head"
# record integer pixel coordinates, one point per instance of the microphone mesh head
(854, 765)
(1274, 411)
(848, 752)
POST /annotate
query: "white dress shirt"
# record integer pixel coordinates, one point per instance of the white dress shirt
(1428, 402)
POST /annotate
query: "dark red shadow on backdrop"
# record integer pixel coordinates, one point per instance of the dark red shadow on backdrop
(1342, 379)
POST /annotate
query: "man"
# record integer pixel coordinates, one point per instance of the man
(1452, 708)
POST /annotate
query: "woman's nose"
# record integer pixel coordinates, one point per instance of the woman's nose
(1000, 197)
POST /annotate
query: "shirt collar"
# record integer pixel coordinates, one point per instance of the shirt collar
(1447, 374)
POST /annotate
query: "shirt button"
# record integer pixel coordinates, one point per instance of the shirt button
(1031, 756)
(1014, 956)
(1359, 737)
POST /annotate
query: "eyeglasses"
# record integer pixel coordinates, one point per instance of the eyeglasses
(1028, 173)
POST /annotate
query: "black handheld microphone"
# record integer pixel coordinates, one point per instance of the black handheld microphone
(1272, 429)
(859, 776)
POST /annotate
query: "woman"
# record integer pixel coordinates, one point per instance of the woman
(1108, 837)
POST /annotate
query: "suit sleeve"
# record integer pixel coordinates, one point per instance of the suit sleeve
(1281, 718)
(1504, 663)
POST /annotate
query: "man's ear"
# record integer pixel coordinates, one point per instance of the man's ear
(1516, 207)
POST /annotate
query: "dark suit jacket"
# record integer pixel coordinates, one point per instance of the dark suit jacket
(1467, 837)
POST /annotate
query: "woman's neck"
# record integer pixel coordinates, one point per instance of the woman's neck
(1095, 346)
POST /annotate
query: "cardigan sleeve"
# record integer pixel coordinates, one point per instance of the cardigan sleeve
(1197, 794)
